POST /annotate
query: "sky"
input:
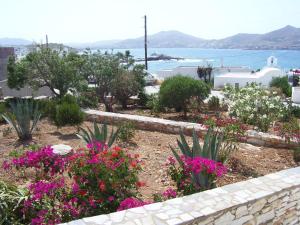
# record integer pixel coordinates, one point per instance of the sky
(74, 21)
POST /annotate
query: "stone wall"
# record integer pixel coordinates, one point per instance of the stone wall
(271, 199)
(173, 127)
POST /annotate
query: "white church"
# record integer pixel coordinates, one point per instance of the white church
(240, 79)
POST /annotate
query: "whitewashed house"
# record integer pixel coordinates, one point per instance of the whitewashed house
(191, 71)
(242, 78)
(296, 95)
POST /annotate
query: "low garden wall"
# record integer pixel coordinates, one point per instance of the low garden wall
(271, 199)
(173, 127)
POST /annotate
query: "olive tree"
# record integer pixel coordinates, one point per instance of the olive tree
(102, 69)
(44, 67)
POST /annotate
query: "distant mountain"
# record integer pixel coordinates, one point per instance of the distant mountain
(163, 39)
(13, 42)
(287, 37)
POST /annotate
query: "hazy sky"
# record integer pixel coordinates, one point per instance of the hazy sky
(94, 20)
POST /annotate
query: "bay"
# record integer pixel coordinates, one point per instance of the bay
(255, 59)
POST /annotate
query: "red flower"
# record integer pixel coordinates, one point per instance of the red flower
(115, 154)
(82, 192)
(133, 164)
(101, 186)
(140, 184)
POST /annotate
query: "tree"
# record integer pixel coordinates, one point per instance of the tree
(44, 67)
(126, 84)
(115, 76)
(176, 92)
(204, 72)
(103, 70)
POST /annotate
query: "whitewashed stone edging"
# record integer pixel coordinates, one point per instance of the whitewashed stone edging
(271, 199)
(173, 127)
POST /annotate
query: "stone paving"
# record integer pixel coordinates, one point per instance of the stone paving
(173, 127)
(271, 199)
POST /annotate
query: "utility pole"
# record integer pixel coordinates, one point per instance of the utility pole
(46, 41)
(146, 57)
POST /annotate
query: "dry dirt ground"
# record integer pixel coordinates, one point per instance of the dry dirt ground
(153, 147)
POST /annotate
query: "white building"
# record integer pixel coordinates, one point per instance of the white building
(241, 79)
(296, 95)
(191, 71)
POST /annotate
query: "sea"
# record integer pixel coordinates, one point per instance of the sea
(254, 59)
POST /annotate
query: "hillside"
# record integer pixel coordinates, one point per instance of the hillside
(287, 37)
(14, 42)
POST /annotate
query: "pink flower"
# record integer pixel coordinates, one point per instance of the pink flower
(111, 198)
(129, 203)
(170, 193)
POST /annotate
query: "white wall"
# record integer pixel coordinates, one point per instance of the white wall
(296, 95)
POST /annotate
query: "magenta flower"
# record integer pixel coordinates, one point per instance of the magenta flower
(170, 193)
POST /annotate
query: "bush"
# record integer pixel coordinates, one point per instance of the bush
(296, 155)
(214, 103)
(154, 104)
(2, 110)
(296, 111)
(68, 114)
(255, 105)
(176, 92)
(11, 199)
(126, 132)
(98, 181)
(70, 99)
(283, 84)
(143, 98)
(88, 100)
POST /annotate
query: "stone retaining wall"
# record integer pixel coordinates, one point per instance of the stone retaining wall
(173, 127)
(271, 199)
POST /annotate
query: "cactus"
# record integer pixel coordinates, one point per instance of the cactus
(209, 150)
(99, 134)
(23, 117)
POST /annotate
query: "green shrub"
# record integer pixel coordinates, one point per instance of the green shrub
(154, 104)
(88, 100)
(143, 98)
(126, 132)
(255, 105)
(297, 155)
(283, 84)
(2, 110)
(214, 103)
(176, 92)
(11, 199)
(70, 99)
(296, 111)
(68, 114)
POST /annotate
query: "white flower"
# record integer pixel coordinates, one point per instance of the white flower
(61, 149)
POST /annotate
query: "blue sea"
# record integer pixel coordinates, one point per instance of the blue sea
(255, 59)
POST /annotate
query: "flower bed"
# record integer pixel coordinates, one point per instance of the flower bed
(151, 166)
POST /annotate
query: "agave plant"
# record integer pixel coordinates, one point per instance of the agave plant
(99, 134)
(210, 150)
(23, 117)
(11, 198)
